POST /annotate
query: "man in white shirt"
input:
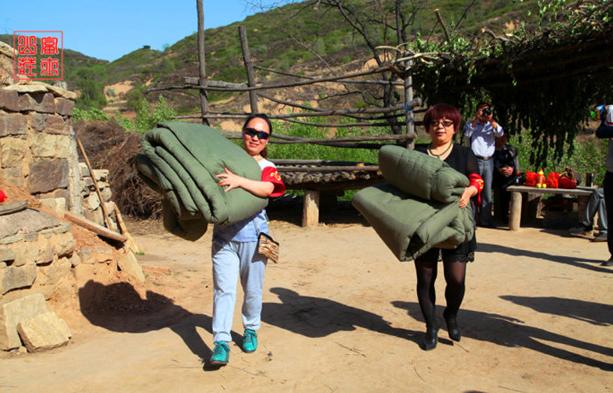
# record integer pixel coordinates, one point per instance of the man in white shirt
(481, 133)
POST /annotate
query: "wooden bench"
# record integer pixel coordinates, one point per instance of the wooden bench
(582, 194)
(325, 178)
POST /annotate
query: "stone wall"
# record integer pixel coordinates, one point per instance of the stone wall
(40, 260)
(38, 150)
(37, 254)
(42, 257)
(92, 206)
(7, 58)
(37, 144)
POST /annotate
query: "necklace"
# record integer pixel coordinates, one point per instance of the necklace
(439, 155)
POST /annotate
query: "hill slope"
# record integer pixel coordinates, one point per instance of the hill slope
(292, 37)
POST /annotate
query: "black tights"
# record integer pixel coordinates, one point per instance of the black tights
(455, 275)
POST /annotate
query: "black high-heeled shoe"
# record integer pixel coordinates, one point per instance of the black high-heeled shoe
(430, 338)
(452, 326)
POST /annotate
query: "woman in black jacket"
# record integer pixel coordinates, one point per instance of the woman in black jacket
(442, 121)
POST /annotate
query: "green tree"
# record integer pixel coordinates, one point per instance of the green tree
(91, 89)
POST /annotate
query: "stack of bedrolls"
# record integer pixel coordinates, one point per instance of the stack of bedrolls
(180, 161)
(419, 207)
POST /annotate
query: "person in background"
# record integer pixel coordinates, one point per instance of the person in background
(506, 169)
(234, 249)
(481, 133)
(442, 121)
(595, 204)
(605, 131)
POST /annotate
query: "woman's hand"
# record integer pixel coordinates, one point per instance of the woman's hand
(468, 193)
(229, 180)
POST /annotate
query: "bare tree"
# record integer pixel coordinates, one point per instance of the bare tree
(380, 23)
(377, 23)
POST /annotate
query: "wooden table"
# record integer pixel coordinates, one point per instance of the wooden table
(582, 193)
(317, 177)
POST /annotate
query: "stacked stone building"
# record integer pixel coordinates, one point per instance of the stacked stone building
(40, 256)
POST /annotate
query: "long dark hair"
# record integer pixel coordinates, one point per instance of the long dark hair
(264, 117)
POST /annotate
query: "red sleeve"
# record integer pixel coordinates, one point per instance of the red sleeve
(476, 180)
(271, 174)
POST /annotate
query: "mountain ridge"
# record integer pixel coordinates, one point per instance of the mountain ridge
(288, 38)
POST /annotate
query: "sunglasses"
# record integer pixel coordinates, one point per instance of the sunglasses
(252, 132)
(445, 123)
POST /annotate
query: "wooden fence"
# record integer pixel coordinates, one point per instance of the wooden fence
(321, 175)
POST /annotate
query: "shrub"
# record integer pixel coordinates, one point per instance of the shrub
(148, 116)
(89, 114)
(587, 155)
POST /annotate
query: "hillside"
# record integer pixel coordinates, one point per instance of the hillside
(305, 39)
(293, 37)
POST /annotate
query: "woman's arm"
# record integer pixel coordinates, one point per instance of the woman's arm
(475, 181)
(230, 181)
(468, 193)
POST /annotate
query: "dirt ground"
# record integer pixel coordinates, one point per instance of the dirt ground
(341, 314)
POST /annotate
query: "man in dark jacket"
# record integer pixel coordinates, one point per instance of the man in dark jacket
(506, 169)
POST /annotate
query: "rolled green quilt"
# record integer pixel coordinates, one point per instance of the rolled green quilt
(419, 209)
(180, 161)
(437, 180)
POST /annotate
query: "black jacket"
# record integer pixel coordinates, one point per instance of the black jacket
(506, 156)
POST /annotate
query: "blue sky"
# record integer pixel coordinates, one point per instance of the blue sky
(109, 29)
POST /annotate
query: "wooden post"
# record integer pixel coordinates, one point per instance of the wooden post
(407, 82)
(105, 213)
(253, 98)
(92, 226)
(204, 106)
(310, 209)
(123, 229)
(515, 211)
(408, 102)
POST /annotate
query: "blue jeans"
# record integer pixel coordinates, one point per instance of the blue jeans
(231, 260)
(595, 204)
(486, 170)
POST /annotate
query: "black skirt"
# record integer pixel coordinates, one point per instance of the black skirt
(465, 252)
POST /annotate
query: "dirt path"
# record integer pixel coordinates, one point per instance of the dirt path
(341, 314)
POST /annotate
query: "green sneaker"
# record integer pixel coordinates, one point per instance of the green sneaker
(221, 354)
(250, 341)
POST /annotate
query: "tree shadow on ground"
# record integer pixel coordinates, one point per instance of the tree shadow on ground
(119, 308)
(567, 260)
(595, 313)
(512, 332)
(319, 317)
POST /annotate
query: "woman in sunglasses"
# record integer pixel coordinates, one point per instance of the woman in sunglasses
(442, 122)
(234, 247)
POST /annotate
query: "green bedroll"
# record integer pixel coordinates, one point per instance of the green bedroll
(419, 208)
(180, 161)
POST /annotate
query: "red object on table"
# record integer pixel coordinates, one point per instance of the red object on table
(568, 183)
(553, 180)
(3, 196)
(531, 178)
